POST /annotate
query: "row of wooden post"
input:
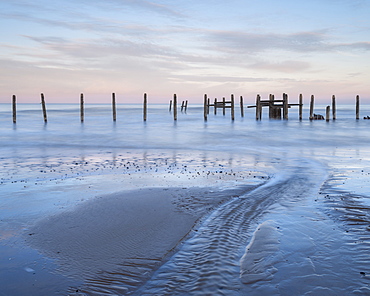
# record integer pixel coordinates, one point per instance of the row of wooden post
(184, 106)
(114, 110)
(334, 108)
(223, 104)
(327, 115)
(276, 107)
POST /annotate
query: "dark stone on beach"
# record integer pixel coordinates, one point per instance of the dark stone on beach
(318, 117)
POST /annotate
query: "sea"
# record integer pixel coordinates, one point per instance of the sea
(310, 205)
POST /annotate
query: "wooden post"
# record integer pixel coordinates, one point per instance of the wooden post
(145, 107)
(333, 105)
(232, 108)
(174, 107)
(327, 113)
(215, 106)
(208, 103)
(300, 106)
(82, 114)
(44, 108)
(223, 106)
(271, 106)
(182, 106)
(114, 106)
(357, 107)
(260, 111)
(186, 105)
(258, 107)
(241, 107)
(205, 107)
(14, 109)
(285, 106)
(311, 106)
(170, 106)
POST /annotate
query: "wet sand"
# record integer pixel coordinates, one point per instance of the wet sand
(247, 234)
(123, 237)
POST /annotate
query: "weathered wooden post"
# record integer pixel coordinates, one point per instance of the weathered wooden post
(215, 106)
(205, 107)
(300, 106)
(114, 106)
(223, 106)
(241, 107)
(44, 108)
(311, 107)
(357, 107)
(186, 105)
(82, 113)
(14, 109)
(169, 109)
(327, 113)
(174, 107)
(232, 108)
(271, 106)
(333, 105)
(285, 106)
(208, 103)
(258, 107)
(145, 107)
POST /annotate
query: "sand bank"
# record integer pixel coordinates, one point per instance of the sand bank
(124, 236)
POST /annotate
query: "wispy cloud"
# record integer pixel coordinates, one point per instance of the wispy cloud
(288, 66)
(233, 41)
(147, 5)
(100, 48)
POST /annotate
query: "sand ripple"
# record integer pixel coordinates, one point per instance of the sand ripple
(208, 263)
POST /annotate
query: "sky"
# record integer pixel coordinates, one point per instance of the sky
(189, 47)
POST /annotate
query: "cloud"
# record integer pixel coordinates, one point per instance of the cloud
(288, 66)
(101, 48)
(356, 45)
(234, 41)
(220, 78)
(147, 5)
(66, 7)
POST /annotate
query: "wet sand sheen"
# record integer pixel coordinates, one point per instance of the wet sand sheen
(171, 241)
(123, 237)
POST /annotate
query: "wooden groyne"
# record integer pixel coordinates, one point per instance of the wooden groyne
(219, 105)
(334, 107)
(277, 108)
(14, 105)
(145, 107)
(44, 108)
(82, 110)
(114, 111)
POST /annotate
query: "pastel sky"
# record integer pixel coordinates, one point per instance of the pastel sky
(189, 47)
